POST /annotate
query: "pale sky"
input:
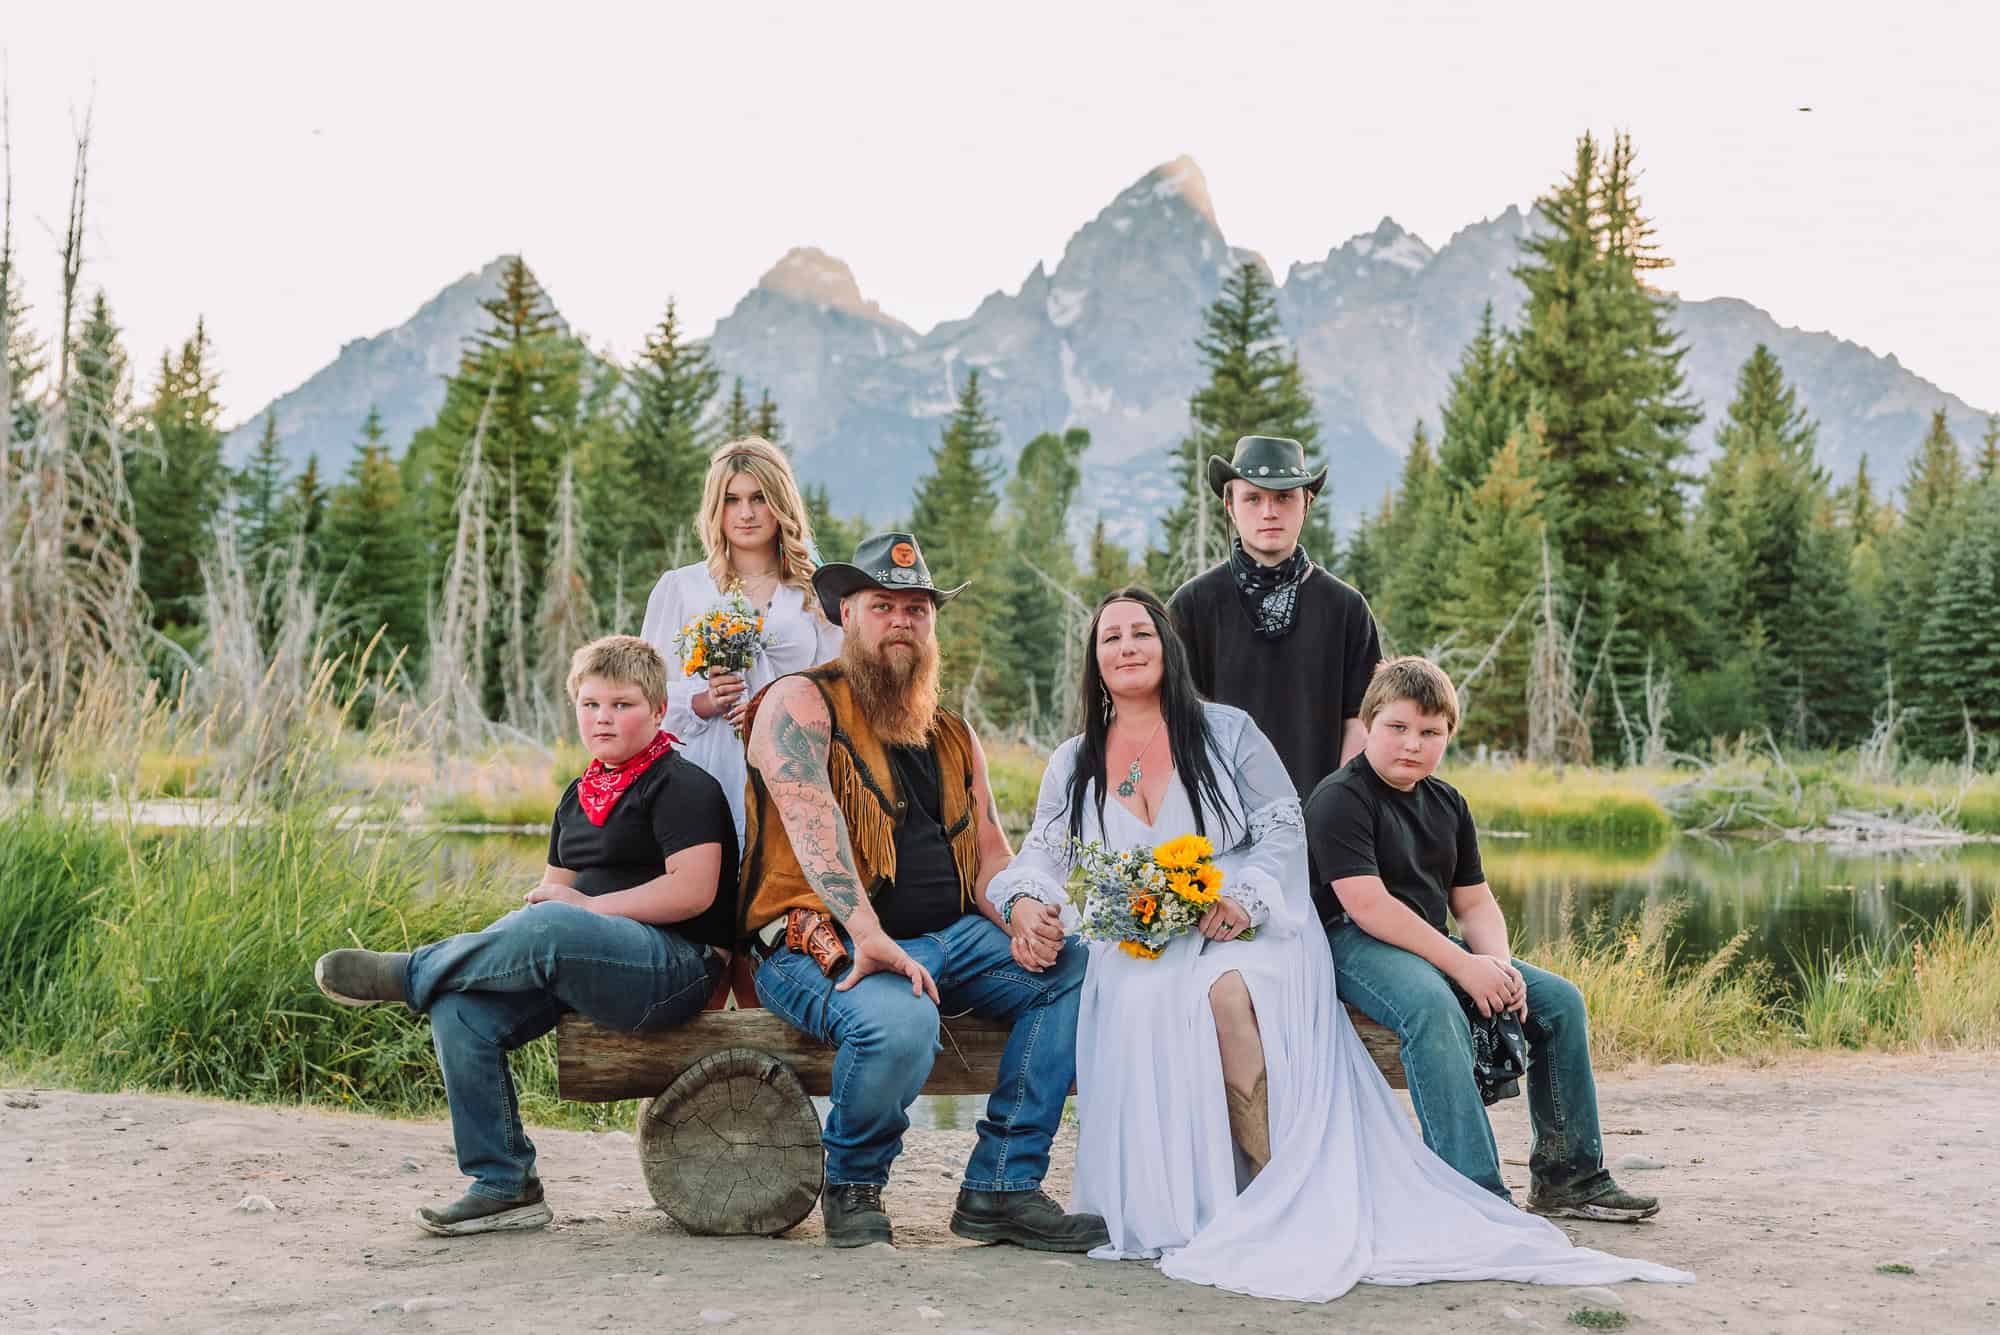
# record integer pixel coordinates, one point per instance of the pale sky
(303, 175)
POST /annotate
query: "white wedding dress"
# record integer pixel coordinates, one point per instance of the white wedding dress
(1351, 1193)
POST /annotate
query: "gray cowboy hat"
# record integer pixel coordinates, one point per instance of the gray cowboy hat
(1275, 463)
(885, 561)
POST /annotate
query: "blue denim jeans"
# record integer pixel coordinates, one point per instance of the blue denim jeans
(1406, 994)
(888, 1037)
(490, 992)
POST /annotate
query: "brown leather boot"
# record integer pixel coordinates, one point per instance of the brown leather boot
(1250, 1123)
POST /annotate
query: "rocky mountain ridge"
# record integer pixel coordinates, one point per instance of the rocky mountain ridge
(1107, 341)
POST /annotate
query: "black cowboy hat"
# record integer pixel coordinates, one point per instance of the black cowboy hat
(1275, 463)
(885, 561)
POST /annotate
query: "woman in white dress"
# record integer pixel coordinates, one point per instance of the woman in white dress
(758, 538)
(1233, 1128)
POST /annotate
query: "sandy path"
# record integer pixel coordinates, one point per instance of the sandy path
(1786, 1187)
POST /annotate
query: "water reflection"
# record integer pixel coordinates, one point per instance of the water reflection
(1796, 900)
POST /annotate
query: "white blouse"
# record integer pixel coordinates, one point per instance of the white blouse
(796, 637)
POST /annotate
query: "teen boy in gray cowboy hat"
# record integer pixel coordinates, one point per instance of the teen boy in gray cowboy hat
(1269, 631)
(870, 835)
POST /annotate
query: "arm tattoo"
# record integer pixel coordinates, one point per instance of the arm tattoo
(791, 753)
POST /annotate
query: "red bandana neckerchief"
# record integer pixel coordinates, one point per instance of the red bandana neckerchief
(602, 785)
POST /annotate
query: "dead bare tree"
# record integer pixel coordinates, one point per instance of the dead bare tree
(454, 715)
(565, 619)
(1558, 727)
(71, 613)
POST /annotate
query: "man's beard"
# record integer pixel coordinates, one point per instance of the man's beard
(897, 691)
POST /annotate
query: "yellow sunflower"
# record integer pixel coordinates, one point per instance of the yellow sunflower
(1183, 853)
(1139, 950)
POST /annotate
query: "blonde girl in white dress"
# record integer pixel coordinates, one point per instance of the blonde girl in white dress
(758, 539)
(1232, 1127)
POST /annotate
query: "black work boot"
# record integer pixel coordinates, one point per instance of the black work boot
(472, 1213)
(1610, 1203)
(361, 977)
(1028, 1218)
(854, 1215)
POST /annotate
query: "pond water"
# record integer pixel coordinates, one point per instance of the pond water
(1797, 901)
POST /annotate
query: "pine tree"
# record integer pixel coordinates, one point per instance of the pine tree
(1254, 388)
(1915, 551)
(260, 495)
(1957, 664)
(373, 555)
(765, 421)
(1365, 562)
(1481, 409)
(303, 515)
(738, 420)
(1040, 563)
(1415, 541)
(1989, 449)
(674, 380)
(26, 357)
(178, 482)
(1490, 587)
(1600, 369)
(100, 390)
(835, 537)
(953, 517)
(1110, 567)
(525, 375)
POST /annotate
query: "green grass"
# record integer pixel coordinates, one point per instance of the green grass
(1577, 805)
(1937, 989)
(1647, 1006)
(183, 962)
(1598, 1318)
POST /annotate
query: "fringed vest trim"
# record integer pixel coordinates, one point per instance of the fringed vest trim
(864, 788)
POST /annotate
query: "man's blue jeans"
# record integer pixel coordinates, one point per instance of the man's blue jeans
(888, 1037)
(1404, 993)
(489, 992)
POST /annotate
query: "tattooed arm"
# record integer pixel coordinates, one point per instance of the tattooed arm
(789, 745)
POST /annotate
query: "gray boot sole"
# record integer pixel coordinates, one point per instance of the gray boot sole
(520, 1219)
(1604, 1214)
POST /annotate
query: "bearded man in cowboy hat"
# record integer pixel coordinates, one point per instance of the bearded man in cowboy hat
(870, 836)
(1269, 631)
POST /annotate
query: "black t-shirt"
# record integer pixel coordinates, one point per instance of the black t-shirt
(674, 805)
(1299, 689)
(1421, 843)
(924, 896)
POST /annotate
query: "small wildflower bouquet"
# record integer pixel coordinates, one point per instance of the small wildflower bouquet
(1143, 898)
(725, 638)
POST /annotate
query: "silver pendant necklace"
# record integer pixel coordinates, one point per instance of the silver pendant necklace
(1134, 776)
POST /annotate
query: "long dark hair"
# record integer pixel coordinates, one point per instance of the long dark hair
(1180, 705)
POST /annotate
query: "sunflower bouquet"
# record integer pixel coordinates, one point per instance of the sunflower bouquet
(1140, 899)
(725, 638)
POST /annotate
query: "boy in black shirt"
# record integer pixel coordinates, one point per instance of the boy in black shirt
(1394, 850)
(630, 924)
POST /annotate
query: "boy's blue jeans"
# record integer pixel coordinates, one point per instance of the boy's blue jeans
(1405, 993)
(888, 1038)
(489, 992)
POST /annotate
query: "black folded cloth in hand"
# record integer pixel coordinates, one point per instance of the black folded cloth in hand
(1499, 1050)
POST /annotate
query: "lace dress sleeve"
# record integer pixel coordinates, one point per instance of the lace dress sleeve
(1042, 865)
(1266, 871)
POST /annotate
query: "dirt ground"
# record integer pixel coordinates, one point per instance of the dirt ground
(1786, 1188)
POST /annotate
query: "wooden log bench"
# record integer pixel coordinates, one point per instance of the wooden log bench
(729, 1140)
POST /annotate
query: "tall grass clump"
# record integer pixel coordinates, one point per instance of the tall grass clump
(1573, 804)
(1937, 989)
(1646, 1005)
(55, 875)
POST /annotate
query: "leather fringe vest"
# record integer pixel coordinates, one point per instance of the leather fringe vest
(864, 788)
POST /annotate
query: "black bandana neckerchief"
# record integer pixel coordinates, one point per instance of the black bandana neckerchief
(1271, 592)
